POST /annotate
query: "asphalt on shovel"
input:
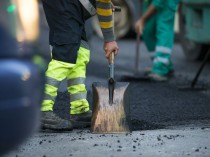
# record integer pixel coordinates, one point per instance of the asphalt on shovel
(111, 110)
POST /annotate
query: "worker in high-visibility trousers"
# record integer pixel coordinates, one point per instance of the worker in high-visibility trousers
(157, 27)
(70, 55)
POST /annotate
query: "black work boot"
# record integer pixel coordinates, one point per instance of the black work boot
(82, 120)
(51, 121)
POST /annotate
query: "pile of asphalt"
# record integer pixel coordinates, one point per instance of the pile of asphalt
(156, 105)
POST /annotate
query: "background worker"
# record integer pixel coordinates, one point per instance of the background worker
(157, 27)
(70, 54)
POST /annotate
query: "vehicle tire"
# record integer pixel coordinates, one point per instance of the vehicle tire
(122, 20)
(192, 50)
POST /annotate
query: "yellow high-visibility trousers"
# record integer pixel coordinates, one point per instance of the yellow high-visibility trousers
(75, 74)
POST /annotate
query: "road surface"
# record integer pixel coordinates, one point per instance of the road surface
(166, 122)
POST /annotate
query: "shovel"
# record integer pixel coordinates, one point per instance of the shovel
(111, 113)
(137, 75)
(111, 109)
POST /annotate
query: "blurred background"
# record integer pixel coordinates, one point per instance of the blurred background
(25, 52)
(22, 67)
(191, 24)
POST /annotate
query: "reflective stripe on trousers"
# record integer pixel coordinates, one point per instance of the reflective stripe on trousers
(76, 82)
(75, 75)
(162, 61)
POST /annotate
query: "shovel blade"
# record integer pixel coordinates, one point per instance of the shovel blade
(110, 118)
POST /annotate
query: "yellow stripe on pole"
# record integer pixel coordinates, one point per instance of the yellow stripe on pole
(106, 24)
(104, 12)
(104, 1)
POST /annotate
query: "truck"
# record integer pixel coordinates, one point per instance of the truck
(194, 22)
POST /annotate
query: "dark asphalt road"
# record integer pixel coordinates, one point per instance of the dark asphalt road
(153, 105)
(185, 115)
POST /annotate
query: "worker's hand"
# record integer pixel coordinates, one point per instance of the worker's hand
(110, 47)
(139, 26)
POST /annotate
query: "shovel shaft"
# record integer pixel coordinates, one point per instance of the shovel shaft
(111, 71)
(111, 66)
(111, 81)
(111, 86)
(111, 58)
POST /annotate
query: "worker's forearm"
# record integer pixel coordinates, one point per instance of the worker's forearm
(150, 11)
(104, 12)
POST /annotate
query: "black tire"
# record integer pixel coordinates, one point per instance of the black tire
(192, 50)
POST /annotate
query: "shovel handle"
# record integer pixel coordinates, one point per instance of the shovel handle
(111, 58)
(116, 9)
